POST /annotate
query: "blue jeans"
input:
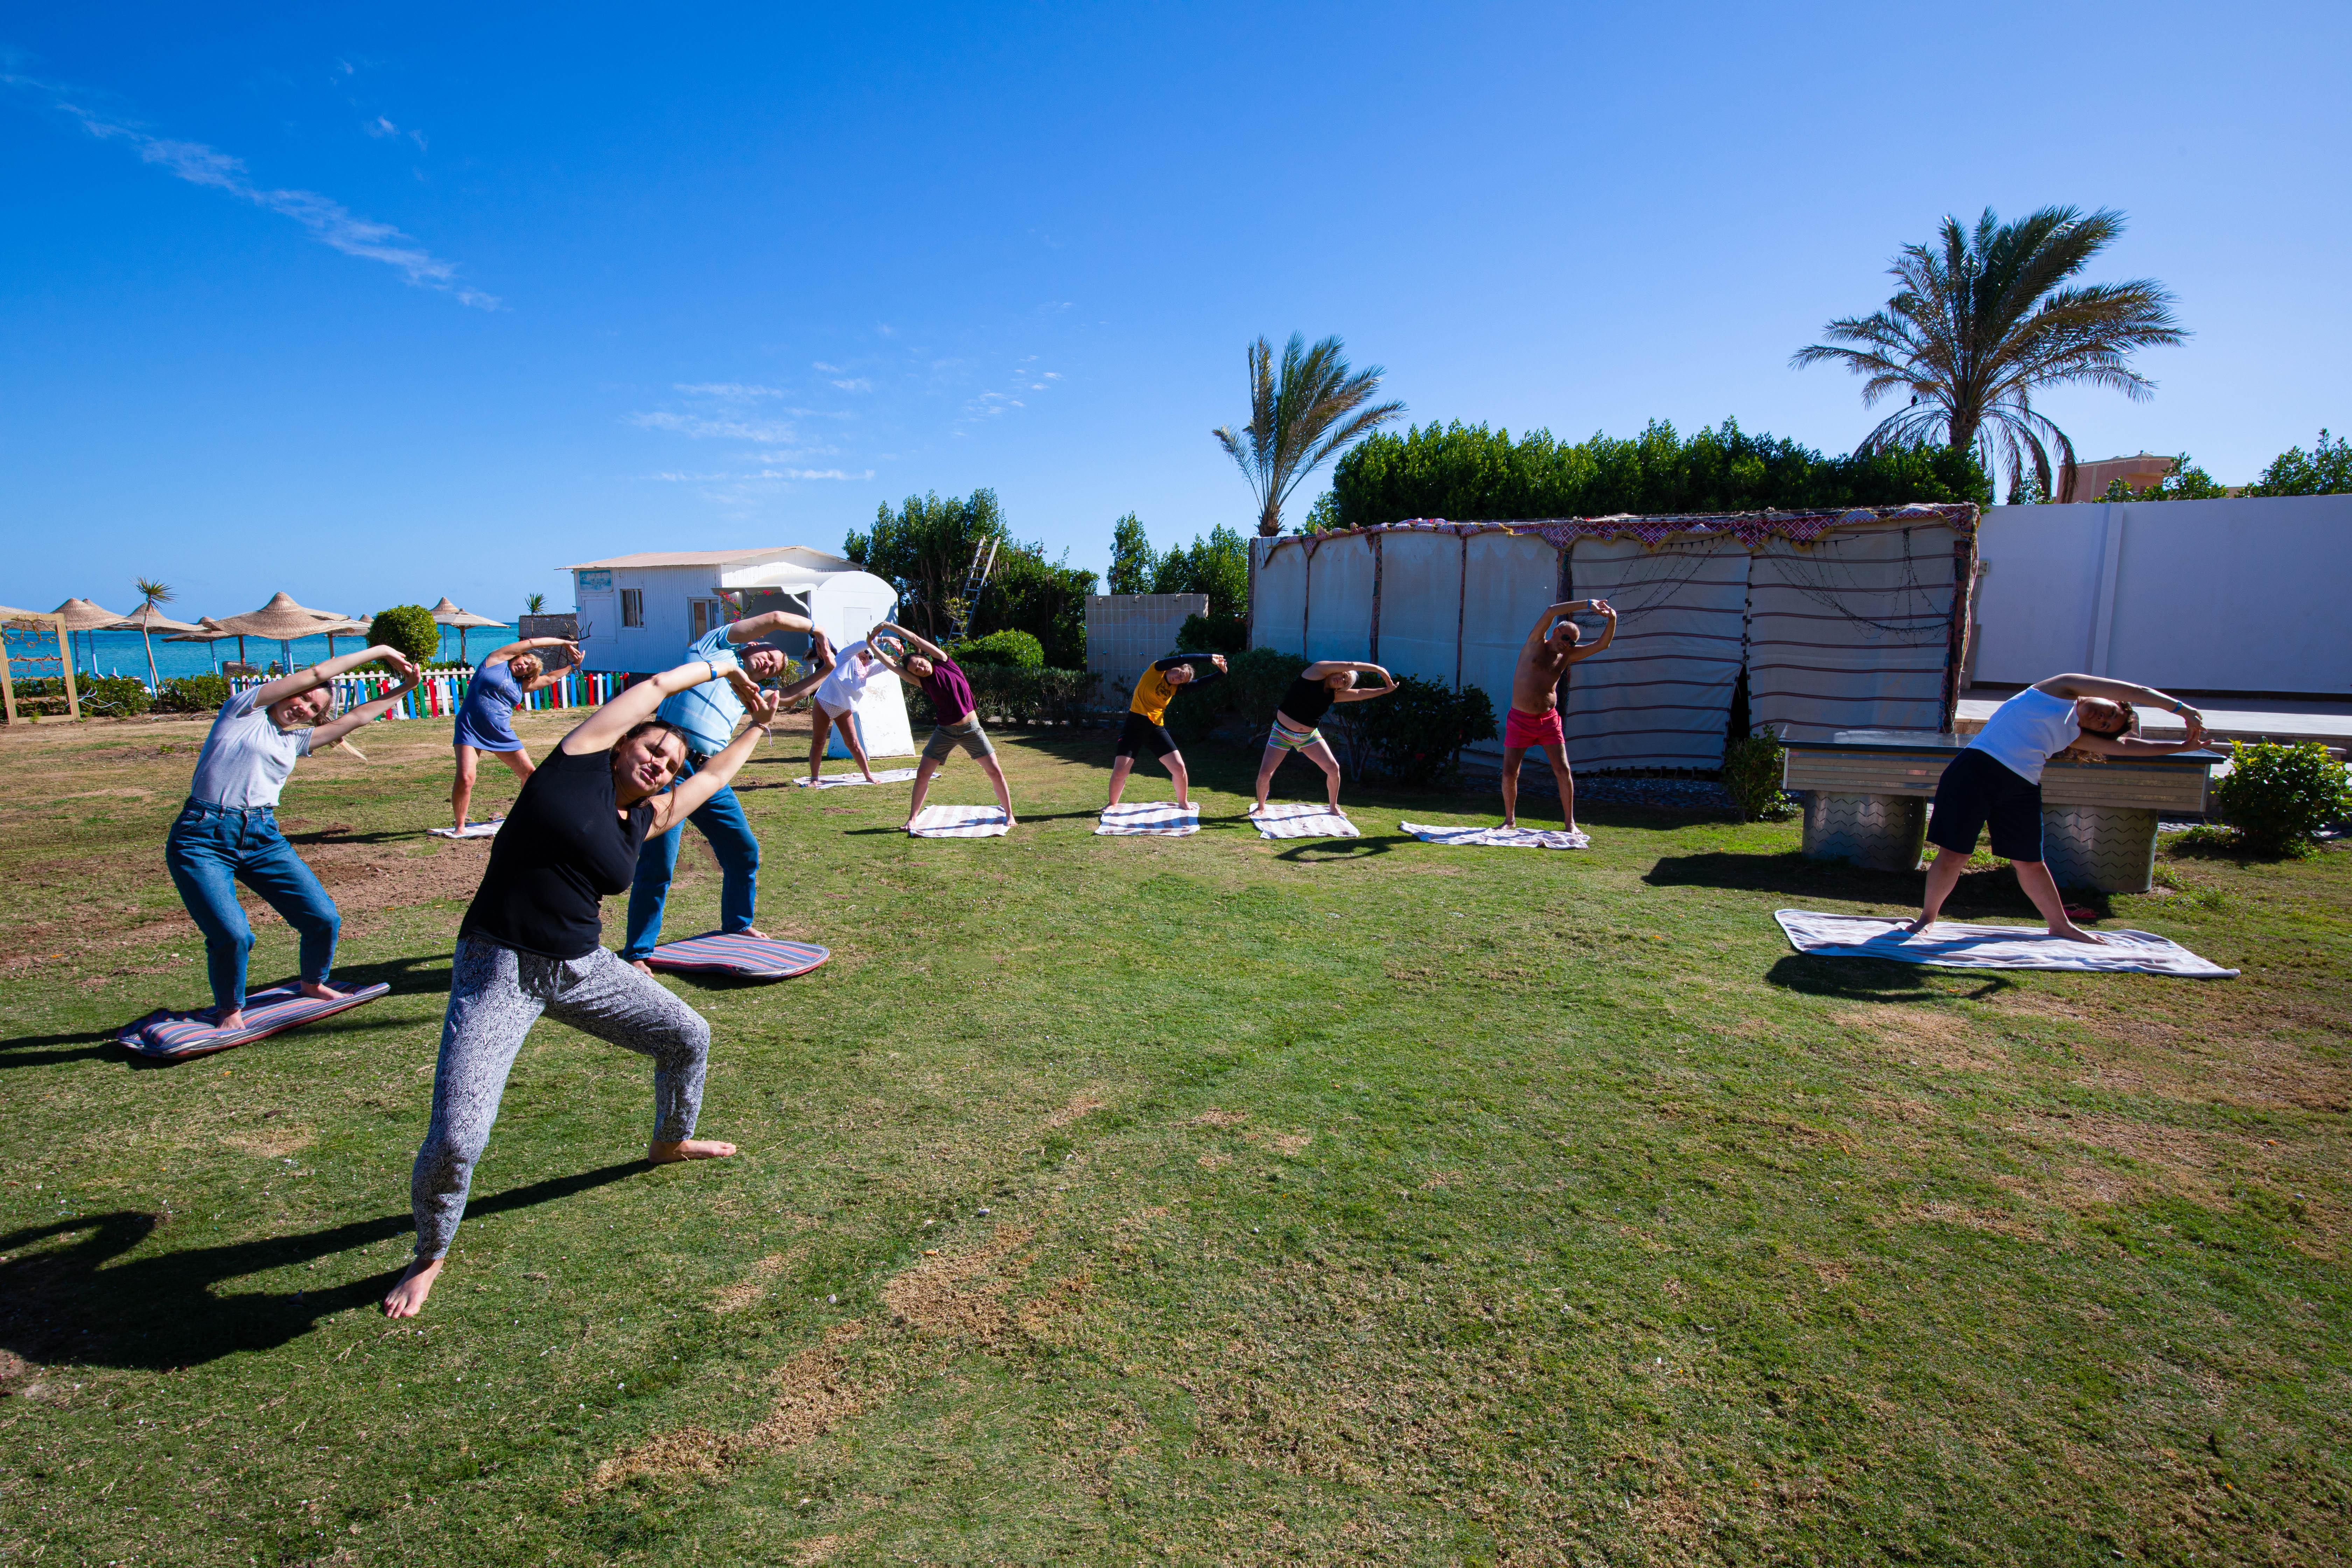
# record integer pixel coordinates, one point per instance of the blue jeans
(722, 822)
(211, 849)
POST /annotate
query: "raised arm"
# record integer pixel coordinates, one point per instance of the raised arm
(325, 735)
(2132, 746)
(311, 676)
(923, 646)
(551, 672)
(751, 628)
(1360, 694)
(1331, 667)
(821, 663)
(1608, 633)
(2073, 686)
(528, 644)
(681, 801)
(603, 730)
(1542, 629)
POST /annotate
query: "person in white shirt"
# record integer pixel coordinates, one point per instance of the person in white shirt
(1997, 780)
(836, 703)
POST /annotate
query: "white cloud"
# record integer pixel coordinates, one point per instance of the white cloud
(730, 391)
(700, 428)
(828, 369)
(810, 474)
(857, 384)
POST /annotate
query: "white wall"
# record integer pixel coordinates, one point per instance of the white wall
(2212, 596)
(1125, 632)
(661, 642)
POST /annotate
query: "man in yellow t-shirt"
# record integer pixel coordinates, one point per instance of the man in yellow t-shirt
(1146, 716)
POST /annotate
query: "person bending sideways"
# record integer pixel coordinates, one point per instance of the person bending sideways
(1146, 727)
(957, 719)
(485, 718)
(1302, 708)
(704, 717)
(1997, 780)
(227, 831)
(835, 705)
(1533, 722)
(528, 944)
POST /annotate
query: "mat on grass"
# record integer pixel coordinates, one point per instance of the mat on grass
(959, 822)
(1949, 944)
(471, 830)
(1499, 837)
(752, 957)
(1158, 819)
(844, 780)
(168, 1037)
(1302, 819)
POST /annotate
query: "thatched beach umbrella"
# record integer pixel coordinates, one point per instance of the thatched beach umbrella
(209, 631)
(450, 615)
(281, 621)
(81, 616)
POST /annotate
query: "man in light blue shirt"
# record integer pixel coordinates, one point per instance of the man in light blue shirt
(705, 717)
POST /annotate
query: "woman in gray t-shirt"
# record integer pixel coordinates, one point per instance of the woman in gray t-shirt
(227, 831)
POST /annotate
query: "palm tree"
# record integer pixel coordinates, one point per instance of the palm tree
(1982, 322)
(534, 604)
(150, 594)
(1299, 423)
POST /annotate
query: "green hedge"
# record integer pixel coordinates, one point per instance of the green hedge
(2279, 797)
(1470, 473)
(1415, 734)
(1243, 701)
(1007, 649)
(102, 696)
(408, 628)
(193, 694)
(1006, 696)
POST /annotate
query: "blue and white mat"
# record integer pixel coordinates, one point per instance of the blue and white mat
(1949, 944)
(959, 822)
(1158, 819)
(1499, 837)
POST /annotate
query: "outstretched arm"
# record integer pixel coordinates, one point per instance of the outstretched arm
(1608, 634)
(551, 672)
(820, 662)
(681, 801)
(2071, 685)
(325, 735)
(1544, 622)
(1357, 694)
(751, 628)
(2132, 746)
(311, 676)
(1331, 667)
(929, 650)
(526, 645)
(603, 730)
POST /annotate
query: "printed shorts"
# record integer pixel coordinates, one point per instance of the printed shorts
(1283, 740)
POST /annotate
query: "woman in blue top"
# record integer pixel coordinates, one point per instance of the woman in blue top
(1998, 780)
(485, 718)
(227, 832)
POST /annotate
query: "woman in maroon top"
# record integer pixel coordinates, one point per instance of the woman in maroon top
(957, 721)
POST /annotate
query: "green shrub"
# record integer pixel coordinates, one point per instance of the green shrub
(1213, 633)
(2326, 470)
(1254, 684)
(2279, 797)
(408, 628)
(1752, 770)
(112, 696)
(1008, 695)
(1415, 734)
(1007, 649)
(193, 694)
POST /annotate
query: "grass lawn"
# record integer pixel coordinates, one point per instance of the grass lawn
(1112, 1200)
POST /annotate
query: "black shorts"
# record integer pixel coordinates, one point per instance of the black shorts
(1975, 790)
(1140, 733)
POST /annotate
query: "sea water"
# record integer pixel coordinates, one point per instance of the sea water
(118, 653)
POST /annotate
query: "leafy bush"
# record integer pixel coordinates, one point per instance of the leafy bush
(408, 628)
(1006, 695)
(112, 696)
(2325, 471)
(2279, 797)
(1415, 734)
(1213, 633)
(1254, 684)
(1753, 767)
(1005, 650)
(925, 548)
(1471, 473)
(1217, 566)
(2183, 481)
(193, 694)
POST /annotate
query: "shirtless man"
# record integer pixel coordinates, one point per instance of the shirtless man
(1533, 723)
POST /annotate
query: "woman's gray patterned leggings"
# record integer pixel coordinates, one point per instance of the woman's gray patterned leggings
(495, 995)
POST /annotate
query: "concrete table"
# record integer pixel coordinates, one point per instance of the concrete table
(1866, 795)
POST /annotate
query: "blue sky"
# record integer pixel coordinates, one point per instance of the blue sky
(375, 304)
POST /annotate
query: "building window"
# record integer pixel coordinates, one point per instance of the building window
(633, 607)
(707, 616)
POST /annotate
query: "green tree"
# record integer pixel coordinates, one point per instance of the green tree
(1471, 473)
(406, 629)
(1217, 566)
(1301, 419)
(534, 604)
(2185, 482)
(925, 548)
(1130, 557)
(2325, 471)
(151, 594)
(1982, 320)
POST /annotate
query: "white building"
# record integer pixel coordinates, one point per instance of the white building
(638, 613)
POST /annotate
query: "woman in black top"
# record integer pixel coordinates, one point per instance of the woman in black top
(1302, 708)
(530, 944)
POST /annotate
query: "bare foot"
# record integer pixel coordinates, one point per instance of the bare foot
(689, 1149)
(1913, 927)
(320, 991)
(1011, 821)
(228, 1022)
(1338, 810)
(641, 966)
(870, 778)
(1257, 806)
(754, 932)
(1510, 821)
(407, 1298)
(2072, 932)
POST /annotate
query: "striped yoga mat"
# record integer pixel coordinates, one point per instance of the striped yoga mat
(1159, 819)
(471, 830)
(1302, 819)
(166, 1035)
(959, 822)
(844, 780)
(1499, 837)
(752, 957)
(1950, 944)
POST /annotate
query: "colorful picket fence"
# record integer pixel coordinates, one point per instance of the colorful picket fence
(444, 690)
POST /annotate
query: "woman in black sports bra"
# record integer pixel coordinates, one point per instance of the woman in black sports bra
(1302, 708)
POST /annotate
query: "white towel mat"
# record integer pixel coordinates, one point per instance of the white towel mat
(471, 830)
(1302, 819)
(1949, 944)
(959, 822)
(1500, 838)
(844, 780)
(1159, 819)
